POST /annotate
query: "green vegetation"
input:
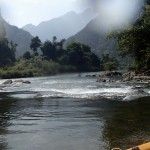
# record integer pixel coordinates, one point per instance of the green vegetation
(35, 44)
(52, 59)
(135, 42)
(80, 56)
(7, 51)
(109, 63)
(110, 66)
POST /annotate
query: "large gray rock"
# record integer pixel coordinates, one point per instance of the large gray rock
(27, 82)
(8, 82)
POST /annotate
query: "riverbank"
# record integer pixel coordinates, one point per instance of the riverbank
(126, 77)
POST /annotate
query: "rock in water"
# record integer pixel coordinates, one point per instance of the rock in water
(8, 82)
(27, 82)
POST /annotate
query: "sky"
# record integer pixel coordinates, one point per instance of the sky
(22, 12)
(112, 12)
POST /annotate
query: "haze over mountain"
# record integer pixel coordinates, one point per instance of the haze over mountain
(94, 36)
(19, 36)
(61, 27)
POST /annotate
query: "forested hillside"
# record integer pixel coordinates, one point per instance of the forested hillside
(20, 37)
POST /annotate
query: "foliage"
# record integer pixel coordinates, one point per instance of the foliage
(53, 50)
(135, 41)
(35, 44)
(110, 66)
(80, 55)
(48, 50)
(109, 63)
(7, 51)
(76, 54)
(27, 55)
(54, 59)
(11, 73)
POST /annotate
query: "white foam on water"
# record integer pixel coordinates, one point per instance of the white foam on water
(148, 92)
(135, 95)
(87, 93)
(23, 96)
(77, 88)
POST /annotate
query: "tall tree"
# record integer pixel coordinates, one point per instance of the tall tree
(7, 51)
(80, 55)
(48, 50)
(35, 44)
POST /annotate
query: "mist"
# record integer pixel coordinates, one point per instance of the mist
(115, 14)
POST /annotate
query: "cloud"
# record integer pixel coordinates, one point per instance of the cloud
(114, 14)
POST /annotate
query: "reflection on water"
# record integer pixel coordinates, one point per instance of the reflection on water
(72, 123)
(4, 120)
(128, 124)
(48, 124)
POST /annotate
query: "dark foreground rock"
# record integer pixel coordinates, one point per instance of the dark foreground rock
(17, 81)
(8, 82)
(134, 77)
(110, 74)
(27, 82)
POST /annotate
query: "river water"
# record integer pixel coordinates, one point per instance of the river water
(68, 112)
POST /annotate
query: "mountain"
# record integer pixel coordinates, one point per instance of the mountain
(94, 36)
(19, 36)
(61, 27)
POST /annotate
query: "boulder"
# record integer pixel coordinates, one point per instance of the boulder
(142, 78)
(88, 75)
(27, 82)
(8, 82)
(110, 73)
(101, 80)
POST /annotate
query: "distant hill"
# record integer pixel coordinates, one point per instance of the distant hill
(61, 27)
(19, 36)
(94, 36)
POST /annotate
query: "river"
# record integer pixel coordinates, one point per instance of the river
(68, 112)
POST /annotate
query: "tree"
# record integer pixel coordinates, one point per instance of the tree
(110, 66)
(48, 50)
(35, 44)
(27, 55)
(80, 55)
(135, 41)
(7, 51)
(54, 40)
(75, 54)
(53, 50)
(109, 63)
(59, 49)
